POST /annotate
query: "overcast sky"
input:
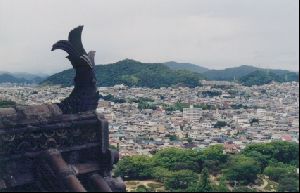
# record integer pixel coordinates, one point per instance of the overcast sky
(211, 33)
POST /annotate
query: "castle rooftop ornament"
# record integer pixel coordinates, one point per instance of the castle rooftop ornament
(60, 147)
(84, 97)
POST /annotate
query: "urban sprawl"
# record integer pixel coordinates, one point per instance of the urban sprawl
(144, 120)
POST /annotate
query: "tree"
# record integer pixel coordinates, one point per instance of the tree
(213, 166)
(214, 152)
(213, 158)
(242, 169)
(285, 152)
(173, 137)
(254, 120)
(261, 159)
(161, 174)
(7, 104)
(288, 184)
(203, 185)
(243, 189)
(142, 188)
(222, 187)
(181, 180)
(135, 168)
(177, 159)
(220, 124)
(279, 170)
(190, 140)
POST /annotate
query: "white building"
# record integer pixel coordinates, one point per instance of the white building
(192, 114)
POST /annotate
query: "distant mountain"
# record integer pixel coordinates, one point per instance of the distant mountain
(5, 78)
(186, 66)
(29, 76)
(20, 78)
(239, 72)
(132, 73)
(265, 77)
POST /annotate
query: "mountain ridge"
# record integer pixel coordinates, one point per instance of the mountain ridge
(132, 73)
(20, 77)
(186, 66)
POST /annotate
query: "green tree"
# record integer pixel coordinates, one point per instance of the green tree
(288, 184)
(181, 180)
(279, 170)
(173, 137)
(220, 124)
(222, 187)
(242, 169)
(7, 104)
(142, 188)
(135, 168)
(177, 159)
(215, 152)
(262, 160)
(161, 174)
(203, 185)
(243, 189)
(213, 158)
(285, 152)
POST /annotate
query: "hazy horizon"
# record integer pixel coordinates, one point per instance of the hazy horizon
(215, 34)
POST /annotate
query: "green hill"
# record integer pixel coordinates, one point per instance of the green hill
(244, 70)
(265, 77)
(132, 73)
(186, 66)
(20, 78)
(5, 78)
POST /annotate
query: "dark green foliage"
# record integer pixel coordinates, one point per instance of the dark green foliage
(203, 185)
(279, 170)
(172, 137)
(222, 187)
(214, 152)
(136, 167)
(239, 106)
(205, 106)
(242, 169)
(178, 159)
(211, 93)
(161, 174)
(182, 169)
(220, 124)
(142, 188)
(180, 180)
(112, 99)
(146, 105)
(7, 104)
(254, 120)
(288, 184)
(132, 73)
(261, 159)
(176, 107)
(285, 152)
(243, 189)
(213, 158)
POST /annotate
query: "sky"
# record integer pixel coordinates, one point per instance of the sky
(216, 34)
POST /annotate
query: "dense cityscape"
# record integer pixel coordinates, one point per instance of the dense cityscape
(143, 121)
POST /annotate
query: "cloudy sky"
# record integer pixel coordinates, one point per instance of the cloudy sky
(212, 33)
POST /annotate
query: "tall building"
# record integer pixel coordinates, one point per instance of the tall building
(192, 114)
